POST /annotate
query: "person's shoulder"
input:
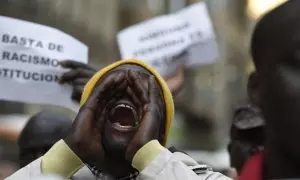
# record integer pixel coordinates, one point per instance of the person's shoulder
(47, 177)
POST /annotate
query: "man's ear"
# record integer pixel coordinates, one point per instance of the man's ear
(254, 88)
(258, 91)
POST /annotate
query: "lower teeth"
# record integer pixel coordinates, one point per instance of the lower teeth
(118, 124)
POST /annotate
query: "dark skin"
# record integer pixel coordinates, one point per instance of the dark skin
(80, 74)
(40, 133)
(276, 57)
(95, 137)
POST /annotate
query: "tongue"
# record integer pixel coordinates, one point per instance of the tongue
(123, 116)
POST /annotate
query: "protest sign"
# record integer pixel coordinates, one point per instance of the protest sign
(29, 62)
(185, 37)
(203, 49)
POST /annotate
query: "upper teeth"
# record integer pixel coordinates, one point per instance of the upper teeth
(124, 105)
(130, 107)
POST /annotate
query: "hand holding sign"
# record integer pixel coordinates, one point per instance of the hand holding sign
(78, 76)
(29, 56)
(164, 42)
(175, 81)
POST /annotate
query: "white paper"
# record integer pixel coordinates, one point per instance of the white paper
(186, 37)
(29, 56)
(203, 49)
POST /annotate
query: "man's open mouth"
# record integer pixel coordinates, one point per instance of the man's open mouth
(124, 117)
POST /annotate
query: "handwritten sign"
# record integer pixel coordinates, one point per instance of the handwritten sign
(29, 62)
(186, 37)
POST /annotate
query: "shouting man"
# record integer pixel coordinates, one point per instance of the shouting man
(119, 132)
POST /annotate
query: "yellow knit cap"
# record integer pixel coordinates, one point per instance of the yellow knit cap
(166, 92)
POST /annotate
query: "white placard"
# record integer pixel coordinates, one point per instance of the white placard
(29, 57)
(185, 37)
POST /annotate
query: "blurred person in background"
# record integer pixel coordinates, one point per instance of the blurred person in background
(275, 52)
(120, 131)
(248, 127)
(40, 133)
